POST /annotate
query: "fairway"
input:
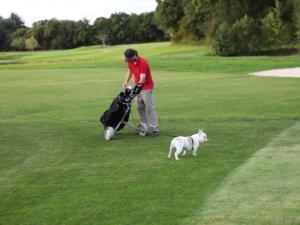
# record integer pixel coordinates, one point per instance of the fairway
(263, 190)
(56, 167)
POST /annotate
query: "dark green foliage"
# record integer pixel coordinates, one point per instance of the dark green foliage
(296, 17)
(52, 41)
(273, 29)
(238, 39)
(19, 37)
(272, 23)
(185, 19)
(123, 28)
(148, 30)
(38, 30)
(64, 34)
(222, 41)
(120, 28)
(7, 27)
(102, 29)
(194, 24)
(168, 15)
(249, 36)
(84, 33)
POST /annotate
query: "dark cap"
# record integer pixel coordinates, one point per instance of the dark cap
(129, 54)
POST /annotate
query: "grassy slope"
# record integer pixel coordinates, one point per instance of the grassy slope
(162, 56)
(55, 167)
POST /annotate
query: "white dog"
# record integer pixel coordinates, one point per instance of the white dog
(181, 144)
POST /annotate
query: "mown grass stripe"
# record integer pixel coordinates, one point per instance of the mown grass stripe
(264, 190)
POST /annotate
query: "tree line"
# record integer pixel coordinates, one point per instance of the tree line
(233, 27)
(65, 34)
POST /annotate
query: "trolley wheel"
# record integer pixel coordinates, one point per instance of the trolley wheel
(109, 133)
(142, 129)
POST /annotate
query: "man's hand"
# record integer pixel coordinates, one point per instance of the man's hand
(127, 78)
(138, 88)
(125, 84)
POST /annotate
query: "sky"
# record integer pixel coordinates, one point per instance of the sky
(34, 10)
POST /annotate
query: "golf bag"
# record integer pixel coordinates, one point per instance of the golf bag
(117, 115)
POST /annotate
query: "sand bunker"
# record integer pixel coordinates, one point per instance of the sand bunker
(291, 72)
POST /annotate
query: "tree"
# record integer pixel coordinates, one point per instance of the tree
(198, 20)
(51, 34)
(147, 29)
(237, 39)
(169, 14)
(85, 33)
(38, 30)
(64, 34)
(120, 30)
(102, 29)
(7, 27)
(296, 17)
(272, 27)
(103, 37)
(31, 43)
(16, 20)
(18, 44)
(67, 34)
(18, 38)
(124, 28)
(4, 34)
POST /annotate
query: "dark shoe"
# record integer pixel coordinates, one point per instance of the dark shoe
(155, 134)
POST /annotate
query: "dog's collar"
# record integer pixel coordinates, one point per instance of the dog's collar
(192, 143)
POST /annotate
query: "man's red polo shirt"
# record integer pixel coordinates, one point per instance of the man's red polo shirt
(141, 66)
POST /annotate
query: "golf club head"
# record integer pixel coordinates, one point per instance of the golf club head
(142, 129)
(109, 133)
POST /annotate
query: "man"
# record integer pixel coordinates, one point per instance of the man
(139, 68)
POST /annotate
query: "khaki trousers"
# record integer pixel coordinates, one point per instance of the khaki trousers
(146, 109)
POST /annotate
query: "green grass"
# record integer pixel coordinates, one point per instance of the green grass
(263, 190)
(162, 56)
(56, 167)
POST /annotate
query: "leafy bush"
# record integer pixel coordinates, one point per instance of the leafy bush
(238, 39)
(31, 43)
(273, 30)
(222, 41)
(248, 36)
(18, 43)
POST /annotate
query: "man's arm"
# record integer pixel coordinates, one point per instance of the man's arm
(127, 78)
(138, 88)
(142, 78)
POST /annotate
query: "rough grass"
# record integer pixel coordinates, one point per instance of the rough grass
(56, 168)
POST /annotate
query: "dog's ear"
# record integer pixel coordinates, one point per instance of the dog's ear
(200, 130)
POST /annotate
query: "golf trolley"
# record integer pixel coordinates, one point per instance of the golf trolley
(117, 116)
